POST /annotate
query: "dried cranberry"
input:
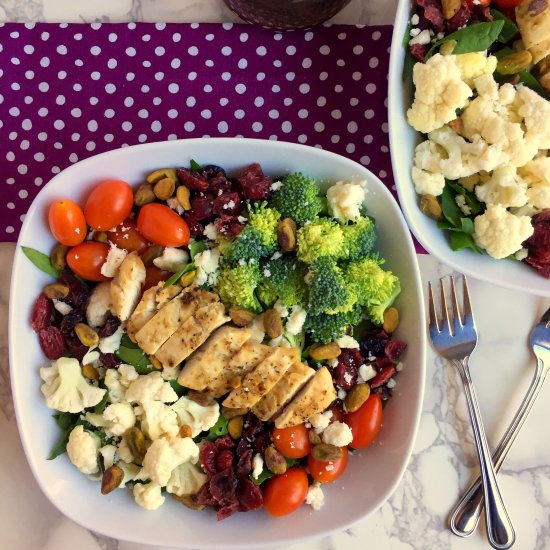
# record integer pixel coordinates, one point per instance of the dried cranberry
(109, 360)
(223, 485)
(418, 52)
(381, 362)
(192, 179)
(224, 442)
(41, 315)
(254, 184)
(195, 227)
(344, 374)
(459, 19)
(110, 327)
(75, 347)
(227, 203)
(78, 290)
(244, 466)
(227, 510)
(383, 376)
(219, 185)
(211, 171)
(204, 497)
(69, 321)
(249, 495)
(224, 459)
(394, 349)
(261, 441)
(228, 226)
(201, 207)
(207, 457)
(51, 342)
(373, 343)
(383, 392)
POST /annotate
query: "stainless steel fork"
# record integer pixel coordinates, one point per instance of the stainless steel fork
(455, 338)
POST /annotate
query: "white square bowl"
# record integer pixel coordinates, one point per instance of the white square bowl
(371, 476)
(403, 140)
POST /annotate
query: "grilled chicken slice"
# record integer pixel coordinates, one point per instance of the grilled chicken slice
(99, 305)
(249, 356)
(144, 312)
(261, 380)
(313, 398)
(164, 295)
(294, 379)
(206, 364)
(126, 286)
(191, 334)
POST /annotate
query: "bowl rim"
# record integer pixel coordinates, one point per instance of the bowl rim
(415, 284)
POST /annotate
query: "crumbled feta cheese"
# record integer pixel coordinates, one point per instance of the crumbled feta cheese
(280, 309)
(267, 273)
(342, 394)
(348, 378)
(338, 434)
(257, 465)
(62, 307)
(367, 372)
(276, 185)
(174, 204)
(91, 356)
(211, 232)
(296, 320)
(276, 255)
(415, 31)
(110, 344)
(399, 366)
(391, 383)
(415, 19)
(242, 219)
(315, 496)
(332, 362)
(229, 204)
(421, 38)
(172, 259)
(114, 258)
(320, 421)
(520, 255)
(207, 263)
(347, 342)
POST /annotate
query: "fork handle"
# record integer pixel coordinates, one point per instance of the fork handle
(499, 527)
(465, 516)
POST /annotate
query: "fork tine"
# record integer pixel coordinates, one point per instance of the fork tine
(433, 321)
(444, 309)
(457, 321)
(466, 300)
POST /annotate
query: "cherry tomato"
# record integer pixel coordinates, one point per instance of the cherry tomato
(292, 442)
(365, 422)
(86, 259)
(153, 276)
(67, 222)
(327, 471)
(128, 237)
(286, 492)
(108, 204)
(161, 225)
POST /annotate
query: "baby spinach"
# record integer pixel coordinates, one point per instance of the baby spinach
(195, 165)
(195, 247)
(509, 28)
(177, 387)
(525, 77)
(474, 38)
(133, 355)
(177, 276)
(470, 199)
(459, 240)
(41, 261)
(266, 473)
(218, 429)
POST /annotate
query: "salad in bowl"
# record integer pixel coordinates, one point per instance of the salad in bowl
(221, 339)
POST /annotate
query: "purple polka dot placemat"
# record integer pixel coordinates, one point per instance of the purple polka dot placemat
(70, 91)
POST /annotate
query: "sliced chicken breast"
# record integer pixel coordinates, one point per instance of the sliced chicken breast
(145, 311)
(99, 305)
(126, 286)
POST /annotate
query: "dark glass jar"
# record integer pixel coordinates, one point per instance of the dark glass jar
(286, 14)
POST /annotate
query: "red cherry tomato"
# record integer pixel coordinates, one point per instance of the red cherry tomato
(327, 471)
(292, 442)
(108, 204)
(285, 493)
(86, 259)
(365, 422)
(67, 222)
(161, 225)
(128, 237)
(153, 276)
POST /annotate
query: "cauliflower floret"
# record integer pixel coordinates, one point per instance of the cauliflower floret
(158, 419)
(172, 259)
(110, 344)
(461, 203)
(65, 389)
(112, 382)
(345, 200)
(538, 195)
(296, 320)
(197, 417)
(114, 258)
(439, 92)
(108, 453)
(127, 374)
(163, 456)
(536, 170)
(83, 449)
(501, 233)
(427, 183)
(148, 495)
(120, 417)
(338, 434)
(472, 65)
(99, 305)
(427, 156)
(207, 263)
(535, 111)
(210, 231)
(186, 479)
(150, 387)
(504, 187)
(315, 496)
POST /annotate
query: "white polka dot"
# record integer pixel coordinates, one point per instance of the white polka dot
(206, 113)
(159, 76)
(308, 36)
(304, 88)
(12, 136)
(261, 50)
(382, 173)
(157, 101)
(260, 76)
(23, 193)
(350, 148)
(95, 75)
(243, 63)
(108, 138)
(226, 76)
(209, 37)
(338, 88)
(16, 86)
(172, 113)
(336, 113)
(73, 157)
(190, 101)
(193, 50)
(356, 75)
(78, 62)
(275, 88)
(14, 111)
(290, 76)
(22, 169)
(342, 36)
(341, 63)
(61, 75)
(243, 37)
(38, 181)
(302, 138)
(128, 101)
(240, 88)
(209, 63)
(227, 26)
(369, 113)
(43, 86)
(130, 51)
(239, 114)
(109, 113)
(259, 101)
(257, 126)
(58, 124)
(126, 125)
(75, 136)
(95, 50)
(92, 125)
(323, 75)
(15, 61)
(223, 127)
(44, 36)
(357, 50)
(384, 149)
(365, 160)
(10, 205)
(76, 112)
(90, 146)
(274, 114)
(385, 127)
(160, 26)
(43, 111)
(142, 138)
(376, 35)
(352, 127)
(287, 101)
(25, 144)
(113, 37)
(324, 50)
(28, 100)
(291, 50)
(156, 126)
(226, 50)
(176, 37)
(42, 136)
(319, 126)
(112, 63)
(207, 88)
(321, 101)
(10, 156)
(130, 76)
(175, 63)
(189, 126)
(143, 113)
(306, 63)
(173, 88)
(368, 139)
(61, 49)
(370, 88)
(159, 50)
(373, 62)
(28, 49)
(286, 126)
(9, 229)
(110, 88)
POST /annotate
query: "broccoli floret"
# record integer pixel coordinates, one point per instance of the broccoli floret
(283, 279)
(325, 328)
(265, 221)
(236, 285)
(360, 238)
(376, 289)
(328, 290)
(246, 246)
(323, 237)
(298, 198)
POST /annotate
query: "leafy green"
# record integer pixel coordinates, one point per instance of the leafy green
(195, 247)
(178, 388)
(176, 276)
(66, 420)
(40, 260)
(509, 28)
(61, 446)
(194, 165)
(474, 38)
(266, 474)
(450, 209)
(459, 240)
(132, 354)
(476, 207)
(100, 407)
(218, 429)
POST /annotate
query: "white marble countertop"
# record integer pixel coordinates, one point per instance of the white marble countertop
(443, 460)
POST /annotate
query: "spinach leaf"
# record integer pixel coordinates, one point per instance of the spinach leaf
(195, 165)
(218, 429)
(195, 247)
(531, 82)
(133, 355)
(100, 407)
(176, 276)
(509, 29)
(408, 64)
(476, 206)
(66, 420)
(459, 240)
(178, 388)
(474, 38)
(450, 209)
(266, 474)
(407, 35)
(61, 446)
(467, 226)
(40, 260)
